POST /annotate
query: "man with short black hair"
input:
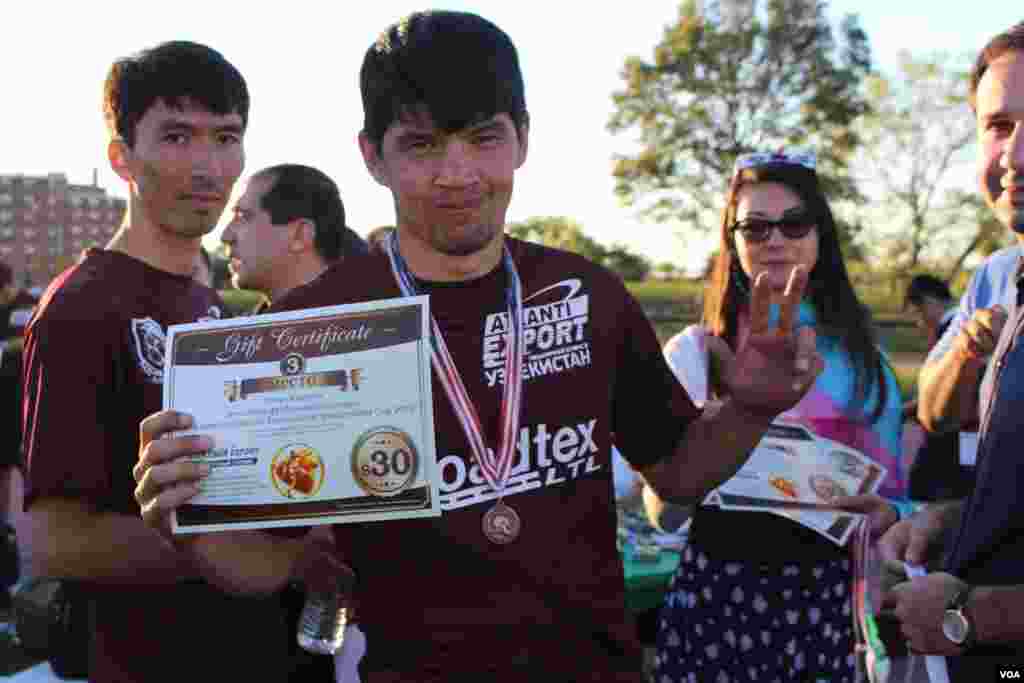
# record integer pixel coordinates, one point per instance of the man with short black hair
(548, 356)
(287, 228)
(931, 303)
(93, 367)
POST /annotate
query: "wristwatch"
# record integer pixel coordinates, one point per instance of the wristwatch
(956, 623)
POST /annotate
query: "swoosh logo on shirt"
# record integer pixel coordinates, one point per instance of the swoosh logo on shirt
(573, 285)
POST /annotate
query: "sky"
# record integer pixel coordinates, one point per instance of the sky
(301, 61)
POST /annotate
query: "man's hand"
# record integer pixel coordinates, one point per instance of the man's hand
(774, 367)
(919, 605)
(319, 567)
(916, 539)
(164, 475)
(978, 337)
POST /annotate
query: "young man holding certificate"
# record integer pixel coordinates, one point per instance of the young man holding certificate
(540, 357)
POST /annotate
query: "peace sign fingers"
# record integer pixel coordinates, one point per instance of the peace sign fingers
(760, 303)
(791, 300)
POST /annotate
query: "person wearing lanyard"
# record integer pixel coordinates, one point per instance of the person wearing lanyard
(971, 611)
(539, 357)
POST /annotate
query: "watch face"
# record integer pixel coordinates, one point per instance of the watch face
(954, 627)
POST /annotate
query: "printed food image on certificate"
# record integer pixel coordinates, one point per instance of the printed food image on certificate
(796, 474)
(321, 416)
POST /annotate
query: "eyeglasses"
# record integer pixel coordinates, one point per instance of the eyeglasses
(794, 157)
(757, 230)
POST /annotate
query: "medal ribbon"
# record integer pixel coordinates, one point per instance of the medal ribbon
(870, 650)
(495, 468)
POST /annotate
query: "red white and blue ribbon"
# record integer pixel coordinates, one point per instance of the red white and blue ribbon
(873, 661)
(495, 467)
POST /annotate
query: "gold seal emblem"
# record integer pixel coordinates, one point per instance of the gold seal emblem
(384, 461)
(502, 524)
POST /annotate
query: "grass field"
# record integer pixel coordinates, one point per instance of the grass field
(675, 304)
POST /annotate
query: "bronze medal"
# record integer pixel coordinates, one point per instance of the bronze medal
(501, 524)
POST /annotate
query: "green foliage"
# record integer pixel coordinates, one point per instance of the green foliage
(565, 233)
(630, 266)
(676, 302)
(559, 232)
(897, 334)
(667, 270)
(919, 131)
(241, 301)
(729, 78)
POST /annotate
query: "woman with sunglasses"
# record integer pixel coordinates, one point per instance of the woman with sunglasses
(758, 597)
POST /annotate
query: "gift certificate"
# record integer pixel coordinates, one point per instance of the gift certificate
(797, 474)
(321, 416)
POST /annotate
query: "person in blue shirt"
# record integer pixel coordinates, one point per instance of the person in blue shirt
(948, 382)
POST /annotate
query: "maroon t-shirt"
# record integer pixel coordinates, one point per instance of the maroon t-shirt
(436, 598)
(93, 368)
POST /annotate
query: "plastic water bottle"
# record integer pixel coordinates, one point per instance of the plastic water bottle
(322, 624)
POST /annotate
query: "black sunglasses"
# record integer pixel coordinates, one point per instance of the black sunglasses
(792, 227)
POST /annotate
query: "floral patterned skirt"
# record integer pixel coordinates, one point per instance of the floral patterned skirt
(732, 621)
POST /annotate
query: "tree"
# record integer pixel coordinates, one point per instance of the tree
(989, 234)
(565, 233)
(667, 270)
(630, 266)
(920, 132)
(559, 232)
(728, 79)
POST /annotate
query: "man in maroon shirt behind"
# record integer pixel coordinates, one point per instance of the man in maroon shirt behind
(524, 584)
(93, 367)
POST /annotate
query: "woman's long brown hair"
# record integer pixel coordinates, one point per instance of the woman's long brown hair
(838, 311)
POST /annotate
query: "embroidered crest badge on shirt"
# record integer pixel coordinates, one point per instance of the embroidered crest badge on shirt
(149, 340)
